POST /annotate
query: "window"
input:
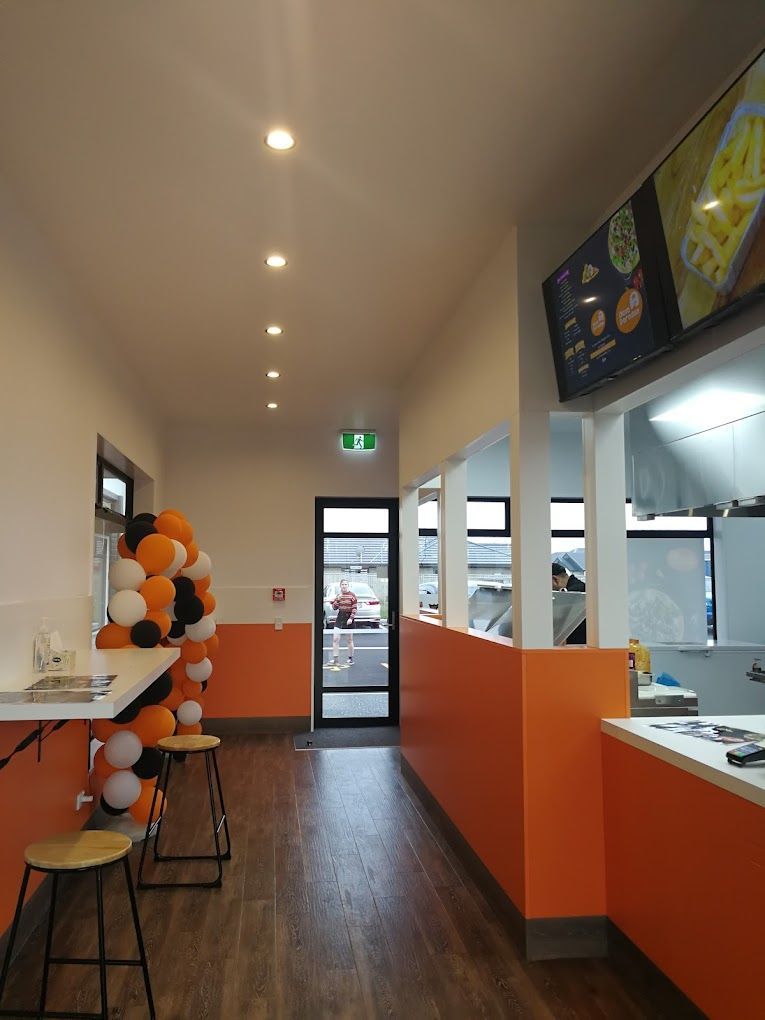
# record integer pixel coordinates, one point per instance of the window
(114, 508)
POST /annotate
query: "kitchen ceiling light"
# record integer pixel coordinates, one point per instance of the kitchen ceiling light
(713, 407)
(280, 140)
(276, 261)
(272, 406)
(274, 330)
(273, 374)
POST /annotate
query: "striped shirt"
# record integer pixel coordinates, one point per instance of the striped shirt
(346, 603)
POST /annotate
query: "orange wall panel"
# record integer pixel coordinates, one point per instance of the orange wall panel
(259, 671)
(567, 692)
(685, 863)
(37, 799)
(462, 733)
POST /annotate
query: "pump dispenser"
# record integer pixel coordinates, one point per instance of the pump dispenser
(42, 646)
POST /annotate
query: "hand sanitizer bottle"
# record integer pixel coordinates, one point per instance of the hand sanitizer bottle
(42, 646)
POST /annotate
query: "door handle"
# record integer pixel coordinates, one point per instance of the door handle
(392, 621)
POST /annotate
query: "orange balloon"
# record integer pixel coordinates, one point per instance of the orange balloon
(209, 602)
(158, 592)
(170, 525)
(113, 636)
(212, 644)
(162, 620)
(103, 729)
(174, 512)
(152, 724)
(190, 731)
(201, 586)
(193, 651)
(193, 551)
(192, 691)
(175, 698)
(122, 549)
(155, 553)
(187, 532)
(101, 766)
(141, 809)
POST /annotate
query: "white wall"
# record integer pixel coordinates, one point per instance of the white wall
(63, 386)
(251, 496)
(740, 574)
(489, 469)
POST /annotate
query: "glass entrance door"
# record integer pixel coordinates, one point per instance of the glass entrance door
(356, 613)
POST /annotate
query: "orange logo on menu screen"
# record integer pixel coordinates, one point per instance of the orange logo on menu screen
(598, 322)
(629, 310)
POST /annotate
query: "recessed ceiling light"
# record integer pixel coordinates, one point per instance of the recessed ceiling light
(272, 406)
(276, 261)
(273, 374)
(280, 139)
(274, 330)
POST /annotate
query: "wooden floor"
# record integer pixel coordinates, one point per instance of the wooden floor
(339, 902)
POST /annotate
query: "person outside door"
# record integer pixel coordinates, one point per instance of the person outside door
(563, 581)
(346, 605)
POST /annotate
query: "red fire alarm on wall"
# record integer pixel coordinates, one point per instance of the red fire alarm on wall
(278, 594)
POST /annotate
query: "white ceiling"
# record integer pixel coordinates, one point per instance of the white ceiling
(130, 132)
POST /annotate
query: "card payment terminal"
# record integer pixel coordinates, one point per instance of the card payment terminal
(747, 754)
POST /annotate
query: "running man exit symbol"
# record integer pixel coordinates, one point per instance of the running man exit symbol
(359, 440)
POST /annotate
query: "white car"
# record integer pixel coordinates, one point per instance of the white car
(367, 609)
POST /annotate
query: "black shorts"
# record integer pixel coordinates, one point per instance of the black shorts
(342, 621)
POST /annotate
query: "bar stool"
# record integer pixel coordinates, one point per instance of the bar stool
(92, 850)
(171, 746)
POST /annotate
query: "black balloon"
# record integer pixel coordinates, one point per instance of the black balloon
(145, 634)
(157, 691)
(204, 686)
(190, 610)
(149, 518)
(149, 764)
(128, 714)
(177, 629)
(109, 809)
(184, 588)
(136, 531)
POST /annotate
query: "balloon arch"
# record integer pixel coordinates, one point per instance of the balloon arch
(161, 597)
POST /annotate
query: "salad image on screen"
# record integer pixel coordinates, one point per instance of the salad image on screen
(711, 194)
(622, 240)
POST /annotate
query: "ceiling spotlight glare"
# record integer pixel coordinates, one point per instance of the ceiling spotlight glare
(276, 261)
(280, 140)
(274, 330)
(272, 406)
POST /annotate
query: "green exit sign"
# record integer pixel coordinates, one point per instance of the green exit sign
(359, 440)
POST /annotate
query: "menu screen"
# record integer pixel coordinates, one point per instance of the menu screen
(597, 308)
(711, 195)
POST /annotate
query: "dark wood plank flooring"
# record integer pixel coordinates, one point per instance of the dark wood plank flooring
(340, 901)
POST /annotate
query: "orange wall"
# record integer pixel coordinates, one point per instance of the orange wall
(461, 731)
(508, 741)
(37, 799)
(685, 866)
(259, 671)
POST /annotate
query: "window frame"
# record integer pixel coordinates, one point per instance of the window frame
(106, 512)
(503, 532)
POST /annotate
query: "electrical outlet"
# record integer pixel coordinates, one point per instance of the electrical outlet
(82, 798)
(278, 624)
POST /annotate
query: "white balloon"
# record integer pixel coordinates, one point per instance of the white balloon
(170, 610)
(177, 640)
(178, 560)
(200, 568)
(202, 630)
(127, 608)
(123, 749)
(122, 789)
(126, 574)
(199, 671)
(189, 713)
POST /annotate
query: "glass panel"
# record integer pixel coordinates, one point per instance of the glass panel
(114, 493)
(567, 517)
(665, 523)
(105, 553)
(485, 516)
(428, 557)
(355, 706)
(569, 552)
(427, 515)
(667, 589)
(489, 559)
(353, 520)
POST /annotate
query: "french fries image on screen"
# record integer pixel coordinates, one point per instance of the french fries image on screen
(723, 211)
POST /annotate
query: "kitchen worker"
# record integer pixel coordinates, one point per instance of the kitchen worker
(562, 580)
(346, 604)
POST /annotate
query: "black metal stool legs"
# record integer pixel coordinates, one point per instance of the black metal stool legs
(139, 939)
(224, 818)
(12, 936)
(48, 944)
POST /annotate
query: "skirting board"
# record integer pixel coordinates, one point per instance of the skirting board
(227, 727)
(548, 938)
(663, 999)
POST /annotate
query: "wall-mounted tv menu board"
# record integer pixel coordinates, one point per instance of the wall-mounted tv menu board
(604, 305)
(711, 202)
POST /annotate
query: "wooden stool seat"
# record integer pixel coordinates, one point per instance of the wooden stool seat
(77, 851)
(191, 744)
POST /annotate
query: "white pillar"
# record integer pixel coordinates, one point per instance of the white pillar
(605, 530)
(530, 529)
(409, 556)
(452, 544)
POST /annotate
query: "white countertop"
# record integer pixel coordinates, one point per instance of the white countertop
(711, 645)
(134, 669)
(702, 758)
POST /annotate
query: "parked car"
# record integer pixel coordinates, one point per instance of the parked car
(367, 610)
(429, 596)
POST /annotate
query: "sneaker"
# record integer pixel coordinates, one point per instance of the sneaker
(332, 662)
(350, 660)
